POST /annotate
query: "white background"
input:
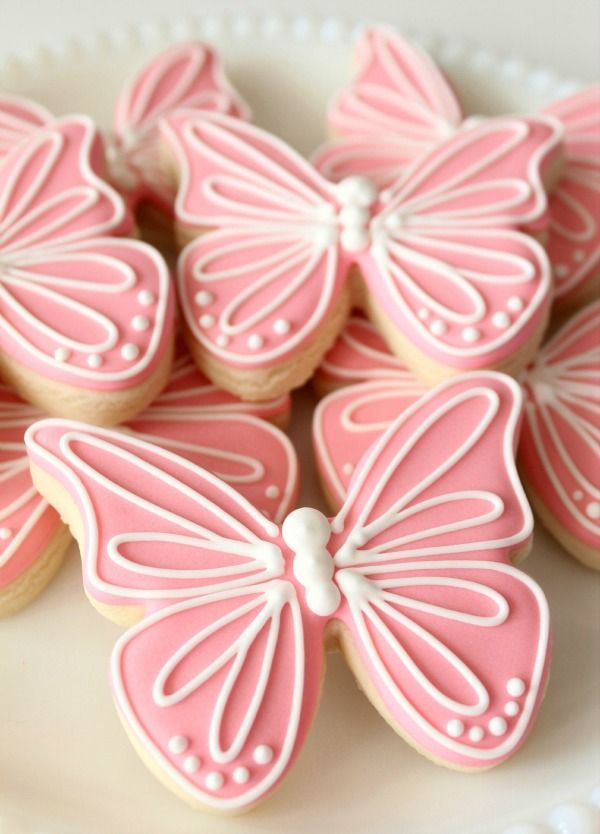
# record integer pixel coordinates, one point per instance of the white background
(563, 34)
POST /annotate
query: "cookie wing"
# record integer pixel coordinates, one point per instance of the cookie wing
(257, 287)
(574, 236)
(559, 452)
(219, 692)
(19, 118)
(397, 107)
(152, 526)
(455, 646)
(446, 263)
(185, 75)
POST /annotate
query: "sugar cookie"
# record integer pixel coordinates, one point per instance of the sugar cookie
(218, 681)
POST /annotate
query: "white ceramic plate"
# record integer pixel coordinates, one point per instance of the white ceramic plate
(65, 763)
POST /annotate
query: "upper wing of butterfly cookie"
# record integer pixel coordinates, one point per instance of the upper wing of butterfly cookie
(455, 646)
(19, 117)
(397, 107)
(152, 525)
(260, 285)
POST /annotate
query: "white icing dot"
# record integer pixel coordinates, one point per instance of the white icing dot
(61, 354)
(204, 298)
(191, 764)
(511, 708)
(241, 775)
(5, 533)
(348, 468)
(255, 341)
(206, 320)
(455, 728)
(177, 744)
(94, 360)
(476, 733)
(561, 270)
(514, 304)
(471, 334)
(263, 754)
(578, 255)
(577, 495)
(281, 326)
(214, 780)
(222, 340)
(515, 687)
(438, 327)
(501, 320)
(130, 351)
(593, 510)
(422, 313)
(497, 726)
(272, 491)
(140, 322)
(146, 297)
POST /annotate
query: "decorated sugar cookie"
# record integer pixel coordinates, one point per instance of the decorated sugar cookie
(435, 259)
(559, 451)
(400, 104)
(184, 75)
(192, 418)
(86, 318)
(218, 681)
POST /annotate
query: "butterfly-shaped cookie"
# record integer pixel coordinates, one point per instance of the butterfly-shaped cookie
(399, 105)
(86, 317)
(218, 681)
(192, 418)
(184, 75)
(559, 449)
(445, 274)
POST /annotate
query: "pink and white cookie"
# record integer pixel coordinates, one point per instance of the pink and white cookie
(33, 540)
(559, 450)
(86, 316)
(218, 681)
(184, 75)
(400, 104)
(192, 418)
(435, 260)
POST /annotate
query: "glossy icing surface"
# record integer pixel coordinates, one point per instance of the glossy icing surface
(438, 249)
(399, 105)
(219, 679)
(191, 417)
(559, 450)
(19, 117)
(78, 305)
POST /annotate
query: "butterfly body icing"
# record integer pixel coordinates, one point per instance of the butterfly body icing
(219, 680)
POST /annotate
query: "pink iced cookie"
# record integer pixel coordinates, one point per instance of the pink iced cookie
(447, 277)
(218, 681)
(559, 452)
(400, 104)
(574, 239)
(184, 75)
(192, 418)
(87, 317)
(32, 538)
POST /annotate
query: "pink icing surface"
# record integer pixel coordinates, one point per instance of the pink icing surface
(560, 446)
(574, 239)
(192, 418)
(559, 450)
(219, 680)
(19, 117)
(27, 522)
(439, 249)
(77, 306)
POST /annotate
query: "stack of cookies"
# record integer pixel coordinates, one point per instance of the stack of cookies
(435, 275)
